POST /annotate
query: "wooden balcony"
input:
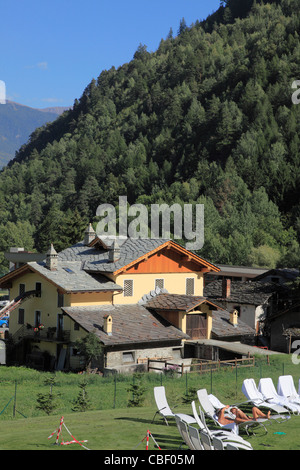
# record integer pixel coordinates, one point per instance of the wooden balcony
(44, 334)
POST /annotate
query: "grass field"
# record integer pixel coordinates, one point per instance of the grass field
(123, 430)
(110, 424)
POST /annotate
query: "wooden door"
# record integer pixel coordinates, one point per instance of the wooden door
(196, 326)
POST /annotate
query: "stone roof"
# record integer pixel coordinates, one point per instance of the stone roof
(289, 274)
(71, 278)
(166, 301)
(95, 259)
(221, 326)
(248, 292)
(131, 324)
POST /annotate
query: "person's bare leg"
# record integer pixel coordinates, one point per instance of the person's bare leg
(259, 414)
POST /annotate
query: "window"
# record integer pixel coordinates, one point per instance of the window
(38, 287)
(60, 299)
(159, 283)
(21, 289)
(37, 318)
(21, 316)
(68, 270)
(128, 288)
(76, 326)
(128, 356)
(190, 286)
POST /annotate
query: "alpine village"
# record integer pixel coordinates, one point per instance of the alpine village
(207, 119)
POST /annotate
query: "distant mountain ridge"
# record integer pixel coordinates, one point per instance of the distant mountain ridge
(17, 122)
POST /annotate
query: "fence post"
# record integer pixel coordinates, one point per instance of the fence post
(115, 390)
(236, 379)
(186, 383)
(14, 408)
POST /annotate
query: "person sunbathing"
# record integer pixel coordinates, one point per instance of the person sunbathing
(240, 416)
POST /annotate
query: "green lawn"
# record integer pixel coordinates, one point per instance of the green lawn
(110, 424)
(123, 430)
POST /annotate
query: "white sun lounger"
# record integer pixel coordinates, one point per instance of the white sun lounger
(183, 431)
(286, 388)
(268, 390)
(251, 392)
(195, 437)
(163, 407)
(228, 437)
(211, 412)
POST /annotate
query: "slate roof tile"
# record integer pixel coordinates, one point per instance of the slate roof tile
(130, 324)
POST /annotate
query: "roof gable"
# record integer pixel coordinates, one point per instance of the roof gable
(133, 251)
(185, 303)
(168, 257)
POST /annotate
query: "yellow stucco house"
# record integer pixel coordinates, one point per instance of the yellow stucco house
(141, 297)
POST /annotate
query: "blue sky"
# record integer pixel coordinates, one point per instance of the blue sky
(51, 49)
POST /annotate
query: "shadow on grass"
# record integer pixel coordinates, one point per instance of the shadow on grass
(147, 421)
(164, 440)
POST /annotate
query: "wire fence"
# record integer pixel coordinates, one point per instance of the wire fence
(19, 391)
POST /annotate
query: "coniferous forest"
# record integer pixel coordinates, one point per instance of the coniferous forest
(207, 118)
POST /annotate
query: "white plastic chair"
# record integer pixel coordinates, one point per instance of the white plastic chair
(211, 412)
(267, 389)
(183, 431)
(163, 407)
(286, 388)
(252, 393)
(223, 434)
(206, 441)
(195, 437)
(217, 443)
(231, 447)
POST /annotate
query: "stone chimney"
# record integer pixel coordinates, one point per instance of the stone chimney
(233, 318)
(51, 259)
(226, 288)
(107, 324)
(114, 252)
(89, 235)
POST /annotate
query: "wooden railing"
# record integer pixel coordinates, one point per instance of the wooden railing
(201, 366)
(46, 334)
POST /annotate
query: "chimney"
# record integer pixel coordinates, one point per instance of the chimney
(226, 287)
(107, 324)
(51, 259)
(233, 318)
(114, 252)
(89, 235)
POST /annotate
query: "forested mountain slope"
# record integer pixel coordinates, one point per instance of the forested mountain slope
(207, 118)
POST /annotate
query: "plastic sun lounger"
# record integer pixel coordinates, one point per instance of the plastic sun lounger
(163, 407)
(268, 390)
(257, 399)
(228, 437)
(195, 437)
(183, 431)
(211, 412)
(286, 388)
(206, 441)
(217, 444)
